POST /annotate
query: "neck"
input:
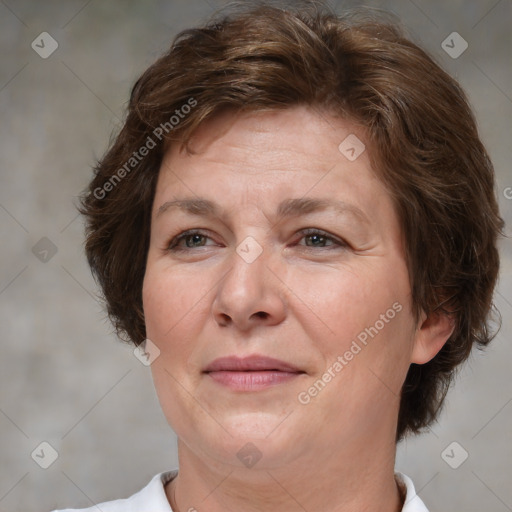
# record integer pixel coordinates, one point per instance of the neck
(358, 479)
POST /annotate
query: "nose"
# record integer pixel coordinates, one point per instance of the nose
(249, 295)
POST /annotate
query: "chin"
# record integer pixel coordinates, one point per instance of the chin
(253, 426)
(261, 440)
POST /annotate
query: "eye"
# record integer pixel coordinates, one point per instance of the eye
(312, 237)
(318, 238)
(189, 239)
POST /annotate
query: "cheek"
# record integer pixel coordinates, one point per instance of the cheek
(169, 297)
(344, 319)
(340, 303)
(374, 349)
(173, 306)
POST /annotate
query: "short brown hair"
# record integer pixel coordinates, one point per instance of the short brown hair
(423, 143)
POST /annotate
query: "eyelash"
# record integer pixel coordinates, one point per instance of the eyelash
(173, 246)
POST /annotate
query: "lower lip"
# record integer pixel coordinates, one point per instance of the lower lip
(252, 381)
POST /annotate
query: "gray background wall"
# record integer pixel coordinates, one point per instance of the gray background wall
(64, 379)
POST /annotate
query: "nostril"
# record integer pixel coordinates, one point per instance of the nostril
(262, 314)
(225, 318)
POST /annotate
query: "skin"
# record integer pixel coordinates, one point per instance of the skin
(303, 300)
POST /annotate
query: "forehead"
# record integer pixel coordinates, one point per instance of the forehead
(297, 141)
(300, 132)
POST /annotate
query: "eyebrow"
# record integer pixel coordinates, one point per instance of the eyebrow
(287, 208)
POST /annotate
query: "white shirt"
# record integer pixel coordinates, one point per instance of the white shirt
(153, 499)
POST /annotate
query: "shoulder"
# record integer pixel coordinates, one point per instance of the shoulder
(412, 502)
(152, 497)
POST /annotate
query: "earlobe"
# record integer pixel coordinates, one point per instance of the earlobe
(433, 332)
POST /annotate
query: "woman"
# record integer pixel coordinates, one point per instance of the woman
(297, 226)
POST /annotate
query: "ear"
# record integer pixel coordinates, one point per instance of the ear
(433, 332)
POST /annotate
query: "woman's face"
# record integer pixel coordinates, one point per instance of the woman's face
(295, 254)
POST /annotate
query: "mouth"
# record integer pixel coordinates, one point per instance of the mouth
(251, 373)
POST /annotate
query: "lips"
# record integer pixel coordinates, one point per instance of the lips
(252, 373)
(253, 363)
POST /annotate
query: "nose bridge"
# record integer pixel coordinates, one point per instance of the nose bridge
(249, 292)
(246, 279)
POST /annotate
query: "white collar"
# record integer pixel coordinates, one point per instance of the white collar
(412, 502)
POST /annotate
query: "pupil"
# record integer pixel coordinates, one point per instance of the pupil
(194, 240)
(316, 239)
